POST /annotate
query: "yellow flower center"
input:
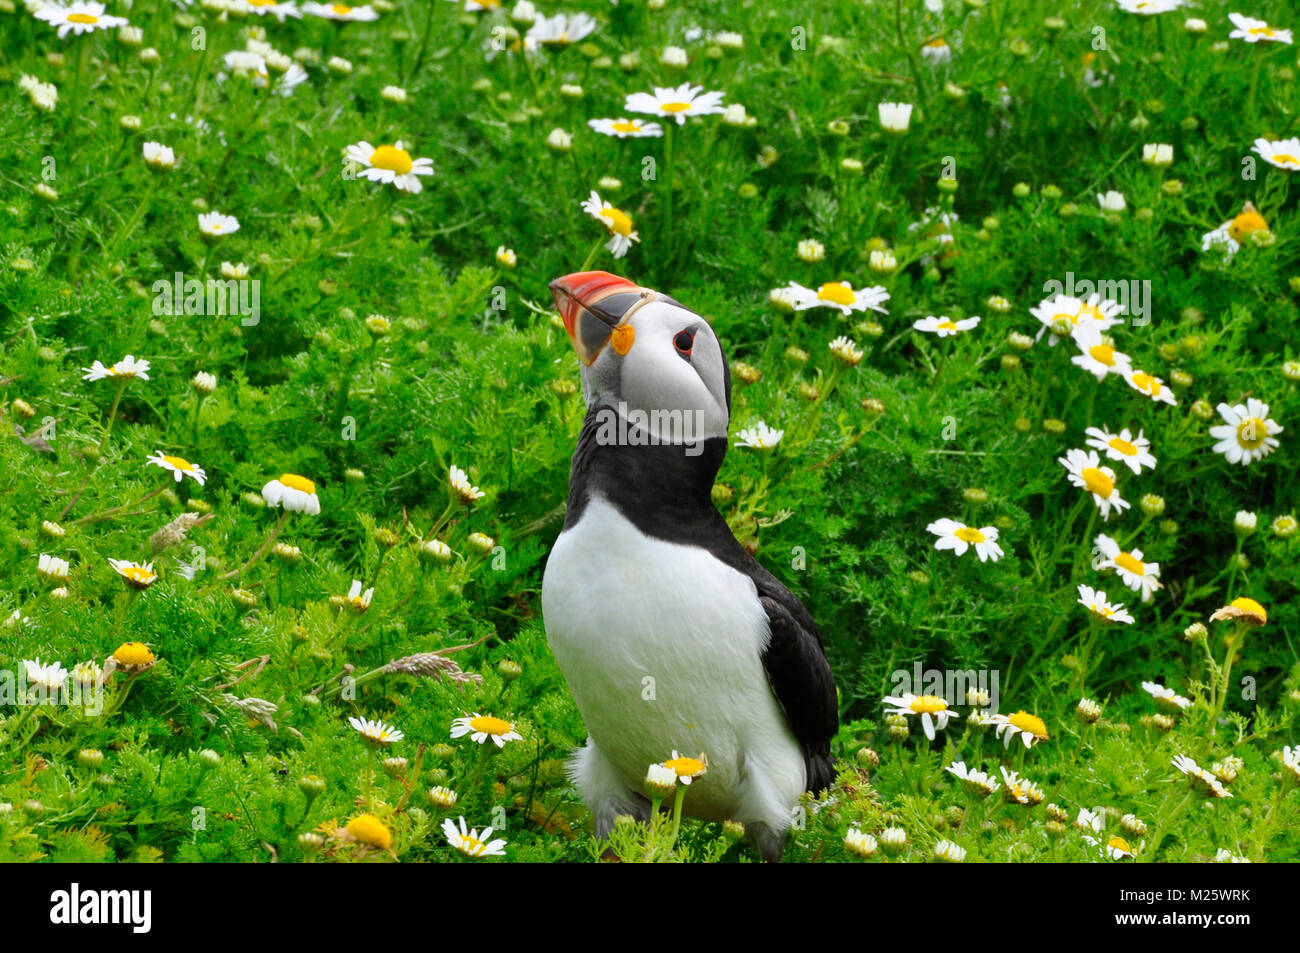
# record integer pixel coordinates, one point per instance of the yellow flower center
(937, 43)
(138, 574)
(133, 653)
(1135, 566)
(391, 158)
(946, 325)
(1123, 446)
(262, 3)
(1090, 311)
(619, 222)
(368, 829)
(82, 18)
(1145, 382)
(1072, 318)
(180, 463)
(1103, 609)
(1030, 723)
(490, 725)
(1245, 223)
(674, 107)
(295, 482)
(342, 9)
(1097, 482)
(1254, 31)
(928, 705)
(1246, 604)
(969, 534)
(685, 767)
(836, 292)
(1119, 843)
(629, 126)
(471, 845)
(1103, 354)
(1285, 159)
(1251, 433)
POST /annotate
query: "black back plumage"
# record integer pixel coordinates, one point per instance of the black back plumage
(667, 494)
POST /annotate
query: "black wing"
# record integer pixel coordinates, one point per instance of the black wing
(801, 678)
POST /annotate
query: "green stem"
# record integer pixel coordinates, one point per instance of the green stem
(257, 556)
(112, 413)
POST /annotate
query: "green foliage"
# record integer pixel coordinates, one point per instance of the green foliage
(234, 745)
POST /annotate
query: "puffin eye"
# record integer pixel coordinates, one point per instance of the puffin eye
(684, 341)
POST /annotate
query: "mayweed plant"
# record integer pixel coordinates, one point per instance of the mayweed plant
(1010, 303)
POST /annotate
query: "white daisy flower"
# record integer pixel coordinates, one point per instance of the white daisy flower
(1284, 153)
(1291, 762)
(78, 18)
(159, 156)
(838, 295)
(245, 63)
(290, 80)
(894, 117)
(1158, 154)
(1253, 31)
(1116, 847)
(1140, 576)
(1111, 201)
(215, 224)
(471, 843)
(297, 494)
(1094, 600)
(860, 844)
(43, 95)
(179, 466)
(48, 677)
(137, 575)
(1150, 385)
(1225, 856)
(1028, 728)
(390, 164)
(759, 437)
(459, 481)
(1093, 821)
(1020, 790)
(847, 350)
(945, 851)
(1200, 779)
(626, 128)
(280, 9)
(1063, 314)
(1087, 473)
(559, 31)
(1149, 7)
(676, 103)
(52, 567)
(933, 710)
(959, 537)
(945, 326)
(1249, 434)
(686, 768)
(376, 731)
(357, 600)
(1133, 452)
(1167, 696)
(936, 50)
(976, 782)
(127, 367)
(1097, 353)
(660, 779)
(340, 11)
(482, 727)
(619, 223)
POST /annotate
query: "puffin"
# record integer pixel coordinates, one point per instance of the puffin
(670, 635)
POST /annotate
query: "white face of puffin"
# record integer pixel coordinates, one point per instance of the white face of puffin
(654, 363)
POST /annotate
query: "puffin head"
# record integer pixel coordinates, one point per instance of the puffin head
(646, 357)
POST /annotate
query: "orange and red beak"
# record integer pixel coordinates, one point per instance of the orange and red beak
(595, 306)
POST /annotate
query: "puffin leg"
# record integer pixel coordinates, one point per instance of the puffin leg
(603, 789)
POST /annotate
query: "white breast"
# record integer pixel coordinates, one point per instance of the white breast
(661, 645)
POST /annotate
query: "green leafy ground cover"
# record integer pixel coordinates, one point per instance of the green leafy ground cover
(392, 343)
